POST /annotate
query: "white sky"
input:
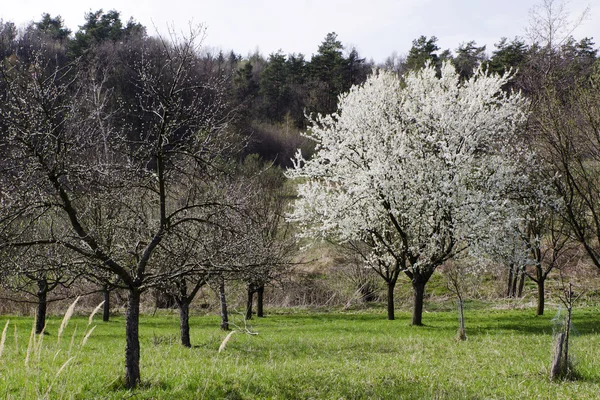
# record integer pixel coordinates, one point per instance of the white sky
(375, 27)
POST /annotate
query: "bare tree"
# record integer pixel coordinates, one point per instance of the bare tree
(267, 243)
(37, 271)
(566, 124)
(550, 23)
(388, 270)
(80, 150)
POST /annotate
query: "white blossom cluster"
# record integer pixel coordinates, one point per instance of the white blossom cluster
(416, 167)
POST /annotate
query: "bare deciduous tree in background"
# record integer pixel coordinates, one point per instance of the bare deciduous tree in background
(77, 148)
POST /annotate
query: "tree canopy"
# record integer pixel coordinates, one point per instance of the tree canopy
(414, 168)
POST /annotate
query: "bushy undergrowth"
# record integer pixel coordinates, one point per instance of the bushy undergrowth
(300, 354)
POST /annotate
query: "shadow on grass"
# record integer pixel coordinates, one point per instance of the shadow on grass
(479, 321)
(525, 321)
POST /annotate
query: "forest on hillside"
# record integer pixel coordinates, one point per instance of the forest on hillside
(273, 94)
(132, 164)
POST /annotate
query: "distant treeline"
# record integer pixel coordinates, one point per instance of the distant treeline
(273, 95)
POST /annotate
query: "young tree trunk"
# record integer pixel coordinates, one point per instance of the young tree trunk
(106, 305)
(132, 348)
(259, 301)
(390, 300)
(514, 283)
(223, 300)
(559, 368)
(419, 294)
(509, 291)
(184, 322)
(541, 295)
(249, 302)
(522, 275)
(461, 334)
(42, 293)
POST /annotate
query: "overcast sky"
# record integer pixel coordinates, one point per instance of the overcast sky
(376, 28)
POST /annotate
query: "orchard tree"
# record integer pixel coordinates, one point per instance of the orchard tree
(123, 175)
(566, 126)
(269, 245)
(38, 271)
(414, 168)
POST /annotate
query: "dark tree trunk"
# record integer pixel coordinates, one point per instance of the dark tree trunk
(223, 301)
(390, 300)
(40, 321)
(259, 301)
(521, 282)
(106, 305)
(514, 283)
(249, 302)
(419, 294)
(540, 305)
(184, 322)
(132, 348)
(509, 291)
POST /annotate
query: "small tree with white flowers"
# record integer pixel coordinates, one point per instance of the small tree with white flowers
(415, 168)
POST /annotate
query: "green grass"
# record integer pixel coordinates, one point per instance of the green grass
(301, 354)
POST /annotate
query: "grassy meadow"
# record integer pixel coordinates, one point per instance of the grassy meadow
(299, 354)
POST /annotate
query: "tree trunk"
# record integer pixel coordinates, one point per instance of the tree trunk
(521, 282)
(510, 281)
(132, 348)
(540, 306)
(557, 369)
(249, 303)
(184, 322)
(419, 292)
(106, 305)
(390, 300)
(259, 301)
(40, 320)
(514, 283)
(223, 300)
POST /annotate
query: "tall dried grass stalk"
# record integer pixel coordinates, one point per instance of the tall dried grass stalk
(72, 339)
(98, 307)
(37, 348)
(16, 339)
(224, 343)
(31, 343)
(87, 335)
(3, 338)
(46, 395)
(66, 318)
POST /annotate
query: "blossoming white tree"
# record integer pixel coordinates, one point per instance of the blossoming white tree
(414, 168)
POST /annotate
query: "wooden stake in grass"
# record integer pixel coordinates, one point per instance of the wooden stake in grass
(66, 318)
(3, 339)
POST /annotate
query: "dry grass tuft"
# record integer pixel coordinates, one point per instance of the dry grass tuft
(31, 343)
(98, 307)
(66, 318)
(3, 338)
(87, 335)
(224, 343)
